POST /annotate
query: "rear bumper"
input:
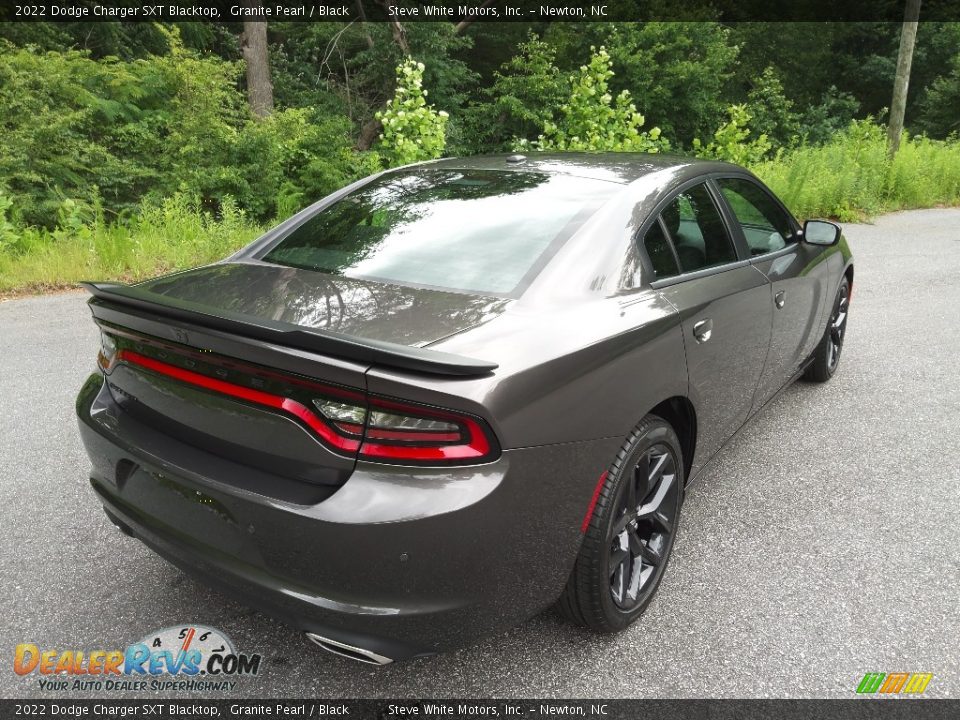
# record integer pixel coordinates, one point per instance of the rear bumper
(401, 561)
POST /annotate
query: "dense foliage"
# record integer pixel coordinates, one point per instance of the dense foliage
(412, 129)
(593, 120)
(129, 148)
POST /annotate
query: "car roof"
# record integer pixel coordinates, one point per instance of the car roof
(619, 167)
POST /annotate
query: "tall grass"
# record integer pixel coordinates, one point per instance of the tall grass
(171, 235)
(851, 178)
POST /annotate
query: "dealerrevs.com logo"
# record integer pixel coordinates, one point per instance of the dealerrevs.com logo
(188, 658)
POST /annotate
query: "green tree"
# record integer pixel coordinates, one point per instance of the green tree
(771, 111)
(521, 100)
(412, 130)
(593, 120)
(940, 106)
(820, 122)
(677, 72)
(731, 141)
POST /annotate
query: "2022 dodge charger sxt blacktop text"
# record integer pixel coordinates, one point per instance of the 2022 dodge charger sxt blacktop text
(450, 395)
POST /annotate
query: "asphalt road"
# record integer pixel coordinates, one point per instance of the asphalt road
(823, 543)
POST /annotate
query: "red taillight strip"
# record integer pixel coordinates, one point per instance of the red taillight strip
(253, 370)
(375, 433)
(258, 397)
(476, 447)
(593, 502)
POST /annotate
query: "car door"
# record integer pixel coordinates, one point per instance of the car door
(798, 281)
(724, 306)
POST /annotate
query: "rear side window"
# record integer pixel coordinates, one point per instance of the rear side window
(697, 230)
(480, 231)
(658, 249)
(765, 225)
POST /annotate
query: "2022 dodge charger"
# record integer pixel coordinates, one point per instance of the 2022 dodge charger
(451, 395)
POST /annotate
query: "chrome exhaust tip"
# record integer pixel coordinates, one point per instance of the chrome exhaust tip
(349, 651)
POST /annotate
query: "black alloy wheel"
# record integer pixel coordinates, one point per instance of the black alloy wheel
(826, 357)
(631, 532)
(838, 326)
(643, 533)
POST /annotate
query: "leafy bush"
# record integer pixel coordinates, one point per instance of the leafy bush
(819, 123)
(115, 132)
(677, 72)
(593, 120)
(731, 142)
(939, 107)
(518, 105)
(8, 230)
(771, 112)
(412, 130)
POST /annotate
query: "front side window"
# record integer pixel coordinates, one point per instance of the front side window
(765, 225)
(697, 230)
(480, 231)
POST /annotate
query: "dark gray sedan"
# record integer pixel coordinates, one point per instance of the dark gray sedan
(451, 395)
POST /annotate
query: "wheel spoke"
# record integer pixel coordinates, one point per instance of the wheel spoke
(636, 544)
(653, 505)
(618, 559)
(644, 551)
(663, 521)
(839, 320)
(618, 584)
(623, 521)
(655, 473)
(637, 578)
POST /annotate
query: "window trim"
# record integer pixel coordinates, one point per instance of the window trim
(731, 224)
(658, 220)
(655, 216)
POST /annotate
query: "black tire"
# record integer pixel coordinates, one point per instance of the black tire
(826, 358)
(597, 594)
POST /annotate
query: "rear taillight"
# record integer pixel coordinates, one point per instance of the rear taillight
(376, 429)
(108, 351)
(396, 432)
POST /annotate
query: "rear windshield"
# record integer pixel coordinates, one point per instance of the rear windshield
(481, 231)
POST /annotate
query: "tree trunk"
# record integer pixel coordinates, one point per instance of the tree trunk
(901, 83)
(362, 14)
(253, 44)
(467, 20)
(368, 134)
(399, 33)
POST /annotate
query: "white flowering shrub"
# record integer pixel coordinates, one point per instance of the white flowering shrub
(593, 120)
(412, 130)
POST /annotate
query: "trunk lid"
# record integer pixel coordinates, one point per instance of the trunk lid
(231, 359)
(414, 317)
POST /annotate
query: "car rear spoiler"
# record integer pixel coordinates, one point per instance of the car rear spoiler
(108, 296)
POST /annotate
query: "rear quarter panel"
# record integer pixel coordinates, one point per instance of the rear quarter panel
(585, 372)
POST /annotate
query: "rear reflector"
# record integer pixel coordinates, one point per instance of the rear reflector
(593, 502)
(376, 429)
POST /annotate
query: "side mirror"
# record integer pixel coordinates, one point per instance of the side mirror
(821, 232)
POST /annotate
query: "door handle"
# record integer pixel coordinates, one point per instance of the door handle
(779, 299)
(703, 330)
